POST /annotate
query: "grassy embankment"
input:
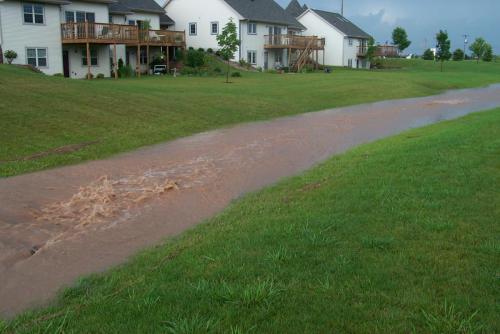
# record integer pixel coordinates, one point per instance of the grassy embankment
(44, 121)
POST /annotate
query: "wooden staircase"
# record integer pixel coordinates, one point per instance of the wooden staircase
(302, 57)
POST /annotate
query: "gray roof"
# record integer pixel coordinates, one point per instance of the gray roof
(342, 24)
(295, 9)
(165, 20)
(129, 6)
(264, 11)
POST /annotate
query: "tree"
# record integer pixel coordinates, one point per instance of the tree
(400, 39)
(488, 53)
(458, 55)
(478, 48)
(443, 46)
(370, 51)
(228, 43)
(428, 55)
(10, 56)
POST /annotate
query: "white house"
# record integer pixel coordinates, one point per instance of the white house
(264, 28)
(345, 43)
(78, 38)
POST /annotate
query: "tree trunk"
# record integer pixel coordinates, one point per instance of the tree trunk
(227, 72)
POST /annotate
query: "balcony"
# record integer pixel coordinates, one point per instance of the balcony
(293, 42)
(362, 51)
(107, 33)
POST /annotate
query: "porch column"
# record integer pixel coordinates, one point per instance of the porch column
(115, 63)
(168, 59)
(138, 61)
(88, 61)
(147, 57)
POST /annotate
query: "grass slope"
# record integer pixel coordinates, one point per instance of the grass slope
(398, 236)
(39, 113)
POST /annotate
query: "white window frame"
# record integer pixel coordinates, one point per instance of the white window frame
(351, 42)
(191, 24)
(212, 24)
(37, 58)
(33, 13)
(252, 28)
(252, 57)
(84, 57)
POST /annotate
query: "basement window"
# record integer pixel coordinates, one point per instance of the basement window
(34, 14)
(36, 57)
(252, 57)
(93, 57)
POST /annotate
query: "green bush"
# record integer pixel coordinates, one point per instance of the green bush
(218, 70)
(58, 75)
(458, 55)
(236, 75)
(189, 70)
(210, 50)
(428, 55)
(126, 71)
(195, 58)
(201, 50)
(10, 55)
(100, 76)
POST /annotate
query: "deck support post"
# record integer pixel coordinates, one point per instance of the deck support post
(147, 57)
(168, 59)
(138, 61)
(115, 62)
(317, 59)
(88, 48)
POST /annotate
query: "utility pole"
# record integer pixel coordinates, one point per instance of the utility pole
(466, 41)
(342, 8)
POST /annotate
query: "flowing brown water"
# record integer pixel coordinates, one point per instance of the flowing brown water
(59, 224)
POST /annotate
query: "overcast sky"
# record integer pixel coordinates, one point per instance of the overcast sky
(421, 19)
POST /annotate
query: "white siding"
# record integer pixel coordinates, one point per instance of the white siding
(18, 36)
(184, 12)
(154, 19)
(334, 39)
(78, 70)
(256, 43)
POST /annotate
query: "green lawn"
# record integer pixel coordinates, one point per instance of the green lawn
(40, 113)
(397, 236)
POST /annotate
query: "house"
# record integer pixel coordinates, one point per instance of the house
(85, 38)
(269, 36)
(345, 43)
(148, 16)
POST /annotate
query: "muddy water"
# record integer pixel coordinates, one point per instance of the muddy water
(60, 224)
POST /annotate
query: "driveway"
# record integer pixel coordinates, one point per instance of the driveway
(60, 224)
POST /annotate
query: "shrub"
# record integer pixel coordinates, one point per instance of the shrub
(217, 53)
(210, 50)
(201, 50)
(100, 76)
(125, 71)
(58, 75)
(190, 48)
(195, 58)
(236, 75)
(218, 70)
(188, 70)
(10, 55)
(428, 55)
(458, 55)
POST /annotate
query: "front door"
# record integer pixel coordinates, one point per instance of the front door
(266, 60)
(66, 63)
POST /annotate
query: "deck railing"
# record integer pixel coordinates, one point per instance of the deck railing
(294, 41)
(81, 32)
(362, 51)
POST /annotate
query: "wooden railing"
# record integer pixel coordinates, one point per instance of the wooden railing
(362, 51)
(294, 41)
(80, 32)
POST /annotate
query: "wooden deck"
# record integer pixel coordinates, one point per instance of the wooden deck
(293, 42)
(107, 33)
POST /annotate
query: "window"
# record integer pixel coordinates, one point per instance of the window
(131, 22)
(34, 14)
(36, 57)
(193, 31)
(79, 16)
(144, 57)
(252, 28)
(349, 63)
(214, 28)
(278, 58)
(252, 57)
(350, 42)
(93, 57)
